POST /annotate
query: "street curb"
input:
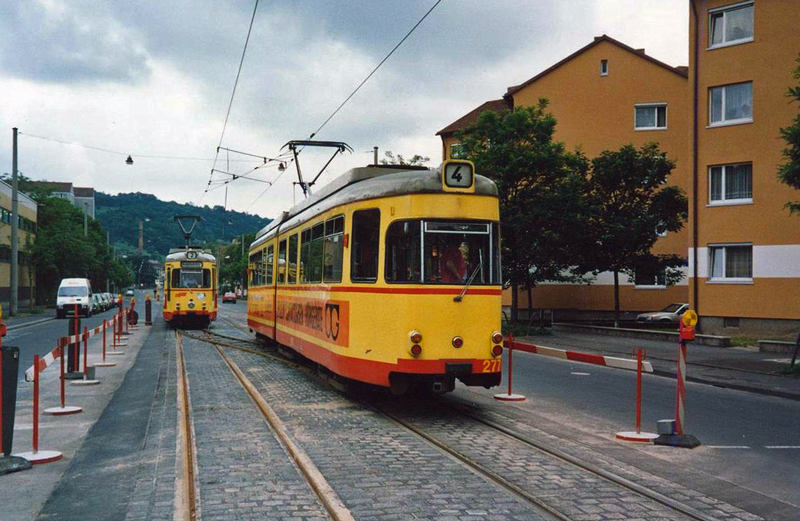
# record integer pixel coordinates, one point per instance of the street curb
(717, 383)
(707, 340)
(31, 323)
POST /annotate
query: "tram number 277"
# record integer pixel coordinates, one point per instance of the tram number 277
(492, 366)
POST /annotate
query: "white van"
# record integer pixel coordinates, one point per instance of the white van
(72, 292)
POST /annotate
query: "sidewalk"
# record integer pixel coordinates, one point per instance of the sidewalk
(735, 368)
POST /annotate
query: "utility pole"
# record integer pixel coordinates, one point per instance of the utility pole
(108, 242)
(141, 237)
(374, 155)
(85, 220)
(14, 229)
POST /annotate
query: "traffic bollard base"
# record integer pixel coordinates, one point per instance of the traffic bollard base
(115, 353)
(85, 382)
(505, 397)
(105, 364)
(75, 375)
(9, 464)
(684, 441)
(63, 411)
(640, 437)
(43, 456)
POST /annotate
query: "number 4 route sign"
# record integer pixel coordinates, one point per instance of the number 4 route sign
(458, 175)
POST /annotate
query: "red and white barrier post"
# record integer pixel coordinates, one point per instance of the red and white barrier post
(104, 363)
(64, 409)
(638, 436)
(37, 457)
(509, 396)
(675, 437)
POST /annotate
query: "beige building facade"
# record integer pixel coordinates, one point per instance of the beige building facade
(27, 209)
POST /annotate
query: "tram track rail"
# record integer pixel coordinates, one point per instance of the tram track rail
(334, 507)
(190, 486)
(538, 505)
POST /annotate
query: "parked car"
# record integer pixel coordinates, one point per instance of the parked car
(72, 293)
(229, 296)
(671, 313)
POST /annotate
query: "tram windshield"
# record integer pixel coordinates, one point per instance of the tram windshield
(185, 278)
(443, 252)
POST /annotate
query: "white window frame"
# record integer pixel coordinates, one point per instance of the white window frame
(724, 11)
(651, 286)
(603, 67)
(654, 106)
(725, 279)
(724, 201)
(725, 122)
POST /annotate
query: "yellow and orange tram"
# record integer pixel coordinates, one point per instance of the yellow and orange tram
(388, 275)
(190, 287)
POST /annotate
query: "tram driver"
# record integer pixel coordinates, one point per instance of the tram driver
(453, 263)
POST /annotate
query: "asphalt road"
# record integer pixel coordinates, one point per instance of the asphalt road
(748, 439)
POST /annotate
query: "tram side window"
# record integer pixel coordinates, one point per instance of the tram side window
(333, 250)
(267, 261)
(282, 262)
(305, 253)
(293, 259)
(403, 252)
(253, 265)
(314, 266)
(366, 233)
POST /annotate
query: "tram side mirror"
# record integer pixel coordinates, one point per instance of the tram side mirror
(507, 284)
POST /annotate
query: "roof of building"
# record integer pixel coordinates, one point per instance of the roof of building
(56, 186)
(472, 116)
(83, 192)
(680, 71)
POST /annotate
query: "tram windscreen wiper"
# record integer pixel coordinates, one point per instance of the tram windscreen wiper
(478, 268)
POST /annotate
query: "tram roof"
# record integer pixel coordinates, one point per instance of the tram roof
(369, 182)
(179, 254)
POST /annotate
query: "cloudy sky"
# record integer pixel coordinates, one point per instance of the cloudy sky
(153, 79)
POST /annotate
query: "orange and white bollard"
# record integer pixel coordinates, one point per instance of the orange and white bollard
(64, 409)
(509, 396)
(37, 457)
(104, 363)
(638, 436)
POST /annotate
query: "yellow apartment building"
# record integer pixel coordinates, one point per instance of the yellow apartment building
(27, 209)
(744, 245)
(604, 96)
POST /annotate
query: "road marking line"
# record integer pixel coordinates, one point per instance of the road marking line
(580, 374)
(782, 447)
(727, 446)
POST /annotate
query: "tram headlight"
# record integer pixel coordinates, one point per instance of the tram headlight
(497, 338)
(191, 304)
(458, 342)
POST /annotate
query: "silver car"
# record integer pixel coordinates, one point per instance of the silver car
(671, 313)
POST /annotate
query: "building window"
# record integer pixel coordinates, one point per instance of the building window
(603, 67)
(731, 263)
(651, 117)
(731, 104)
(731, 184)
(650, 277)
(458, 151)
(730, 25)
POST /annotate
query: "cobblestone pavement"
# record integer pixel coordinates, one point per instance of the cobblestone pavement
(378, 469)
(576, 492)
(242, 470)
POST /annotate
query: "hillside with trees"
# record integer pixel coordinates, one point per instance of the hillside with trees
(120, 216)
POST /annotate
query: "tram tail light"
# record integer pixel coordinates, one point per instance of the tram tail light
(497, 350)
(416, 350)
(416, 337)
(458, 342)
(497, 338)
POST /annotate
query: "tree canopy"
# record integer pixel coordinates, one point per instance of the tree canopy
(540, 186)
(789, 172)
(392, 159)
(630, 207)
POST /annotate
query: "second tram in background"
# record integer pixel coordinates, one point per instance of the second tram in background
(190, 283)
(389, 275)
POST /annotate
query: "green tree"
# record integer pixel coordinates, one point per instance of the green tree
(789, 172)
(630, 206)
(391, 159)
(540, 186)
(235, 261)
